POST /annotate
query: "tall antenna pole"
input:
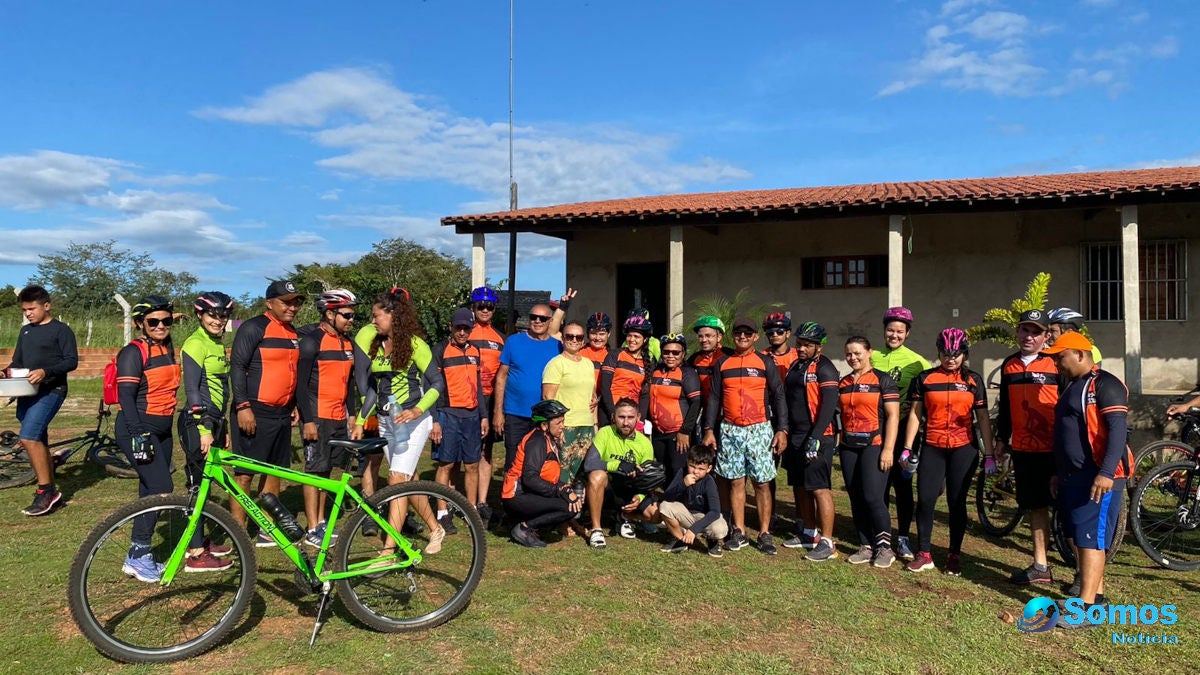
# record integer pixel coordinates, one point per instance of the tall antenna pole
(512, 185)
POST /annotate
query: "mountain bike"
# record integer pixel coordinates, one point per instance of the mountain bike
(387, 581)
(95, 444)
(1164, 451)
(1166, 515)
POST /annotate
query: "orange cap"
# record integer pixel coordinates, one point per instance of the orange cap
(1070, 340)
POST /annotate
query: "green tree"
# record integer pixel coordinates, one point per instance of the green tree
(728, 310)
(1000, 323)
(84, 277)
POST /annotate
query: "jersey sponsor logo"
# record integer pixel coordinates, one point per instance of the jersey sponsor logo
(810, 377)
(665, 381)
(895, 373)
(864, 387)
(492, 344)
(472, 360)
(1091, 398)
(959, 386)
(752, 372)
(296, 344)
(349, 354)
(1040, 378)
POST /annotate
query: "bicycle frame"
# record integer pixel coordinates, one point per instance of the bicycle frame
(214, 472)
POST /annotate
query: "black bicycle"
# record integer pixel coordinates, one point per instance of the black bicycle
(1166, 515)
(97, 445)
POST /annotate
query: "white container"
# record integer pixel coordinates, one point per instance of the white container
(16, 386)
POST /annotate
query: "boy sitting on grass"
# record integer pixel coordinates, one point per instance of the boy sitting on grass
(690, 505)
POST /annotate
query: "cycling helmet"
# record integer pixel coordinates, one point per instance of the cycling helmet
(952, 341)
(640, 325)
(673, 338)
(150, 303)
(639, 312)
(484, 294)
(777, 320)
(811, 331)
(335, 298)
(650, 475)
(599, 320)
(709, 321)
(214, 302)
(901, 314)
(1065, 315)
(544, 411)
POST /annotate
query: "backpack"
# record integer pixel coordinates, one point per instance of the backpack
(110, 372)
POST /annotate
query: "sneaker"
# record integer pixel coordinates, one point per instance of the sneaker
(485, 513)
(313, 538)
(264, 540)
(1031, 575)
(218, 550)
(370, 528)
(43, 502)
(1062, 622)
(447, 523)
(766, 543)
(862, 556)
(206, 562)
(524, 536)
(676, 546)
(802, 541)
(715, 550)
(903, 552)
(824, 551)
(1075, 588)
(953, 565)
(412, 525)
(435, 541)
(884, 558)
(626, 530)
(143, 568)
(921, 562)
(596, 539)
(737, 541)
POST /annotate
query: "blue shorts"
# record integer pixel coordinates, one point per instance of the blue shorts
(1089, 523)
(35, 412)
(461, 440)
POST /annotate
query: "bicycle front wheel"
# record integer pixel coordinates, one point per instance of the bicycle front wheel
(996, 502)
(15, 469)
(113, 459)
(144, 622)
(1166, 515)
(423, 595)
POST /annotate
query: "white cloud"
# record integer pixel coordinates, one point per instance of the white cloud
(331, 195)
(1003, 27)
(48, 177)
(304, 239)
(377, 130)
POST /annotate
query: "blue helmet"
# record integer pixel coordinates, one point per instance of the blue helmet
(484, 294)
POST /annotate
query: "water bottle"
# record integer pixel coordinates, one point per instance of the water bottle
(284, 520)
(909, 461)
(812, 447)
(143, 449)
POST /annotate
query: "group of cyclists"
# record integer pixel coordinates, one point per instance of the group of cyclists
(640, 432)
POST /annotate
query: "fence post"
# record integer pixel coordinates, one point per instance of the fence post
(125, 322)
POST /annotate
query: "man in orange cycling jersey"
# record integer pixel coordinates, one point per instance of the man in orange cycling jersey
(490, 343)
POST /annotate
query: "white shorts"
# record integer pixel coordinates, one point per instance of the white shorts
(405, 442)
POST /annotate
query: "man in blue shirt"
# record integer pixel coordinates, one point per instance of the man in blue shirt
(518, 384)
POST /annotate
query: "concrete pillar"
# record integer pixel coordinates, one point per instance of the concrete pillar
(675, 280)
(478, 259)
(895, 261)
(1130, 278)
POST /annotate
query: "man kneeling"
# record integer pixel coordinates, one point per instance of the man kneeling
(690, 505)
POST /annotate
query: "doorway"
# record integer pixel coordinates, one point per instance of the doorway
(642, 285)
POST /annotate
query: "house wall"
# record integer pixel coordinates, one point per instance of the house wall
(963, 262)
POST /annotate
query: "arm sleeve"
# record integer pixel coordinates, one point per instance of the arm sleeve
(712, 410)
(1112, 401)
(531, 470)
(777, 400)
(130, 374)
(827, 378)
(606, 378)
(714, 507)
(434, 383)
(246, 340)
(306, 398)
(691, 391)
(1004, 409)
(68, 356)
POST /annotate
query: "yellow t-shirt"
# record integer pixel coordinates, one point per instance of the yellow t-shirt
(576, 382)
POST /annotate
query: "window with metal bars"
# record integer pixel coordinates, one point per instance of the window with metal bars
(862, 271)
(1162, 281)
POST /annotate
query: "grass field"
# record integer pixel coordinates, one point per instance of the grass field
(629, 608)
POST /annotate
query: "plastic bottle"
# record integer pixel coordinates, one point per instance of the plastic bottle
(909, 461)
(284, 520)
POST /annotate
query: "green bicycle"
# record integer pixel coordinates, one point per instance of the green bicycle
(386, 581)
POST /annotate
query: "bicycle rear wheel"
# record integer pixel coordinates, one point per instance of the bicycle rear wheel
(424, 595)
(996, 502)
(1157, 453)
(15, 469)
(1166, 515)
(138, 622)
(108, 455)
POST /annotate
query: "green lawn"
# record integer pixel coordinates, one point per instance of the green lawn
(625, 609)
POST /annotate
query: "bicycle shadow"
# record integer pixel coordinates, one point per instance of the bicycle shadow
(73, 478)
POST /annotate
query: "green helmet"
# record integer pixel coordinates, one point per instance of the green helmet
(811, 331)
(709, 321)
(544, 411)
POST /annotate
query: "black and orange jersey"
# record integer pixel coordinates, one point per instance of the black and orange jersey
(535, 468)
(705, 364)
(783, 361)
(746, 390)
(326, 368)
(490, 343)
(949, 399)
(1091, 426)
(1027, 397)
(147, 384)
(811, 390)
(461, 388)
(263, 363)
(674, 400)
(623, 375)
(597, 355)
(862, 401)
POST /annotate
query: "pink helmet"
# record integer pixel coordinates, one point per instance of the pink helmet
(898, 314)
(952, 341)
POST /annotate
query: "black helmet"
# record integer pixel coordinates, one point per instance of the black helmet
(150, 303)
(213, 302)
(544, 411)
(650, 475)
(599, 320)
(811, 331)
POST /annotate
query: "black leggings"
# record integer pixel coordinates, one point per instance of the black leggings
(153, 478)
(666, 451)
(866, 485)
(903, 487)
(537, 511)
(954, 467)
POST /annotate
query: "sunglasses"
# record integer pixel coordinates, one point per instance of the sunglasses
(742, 332)
(777, 331)
(576, 337)
(485, 306)
(155, 323)
(672, 352)
(223, 316)
(349, 316)
(538, 318)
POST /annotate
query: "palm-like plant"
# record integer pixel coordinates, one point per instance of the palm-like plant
(1000, 323)
(729, 309)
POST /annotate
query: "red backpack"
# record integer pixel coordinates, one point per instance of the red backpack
(110, 372)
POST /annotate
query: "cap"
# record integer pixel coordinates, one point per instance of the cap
(744, 322)
(282, 289)
(462, 317)
(1069, 341)
(1036, 317)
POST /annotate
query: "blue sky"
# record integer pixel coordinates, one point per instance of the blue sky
(234, 139)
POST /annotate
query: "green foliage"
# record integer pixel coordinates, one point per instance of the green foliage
(1000, 323)
(728, 310)
(83, 278)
